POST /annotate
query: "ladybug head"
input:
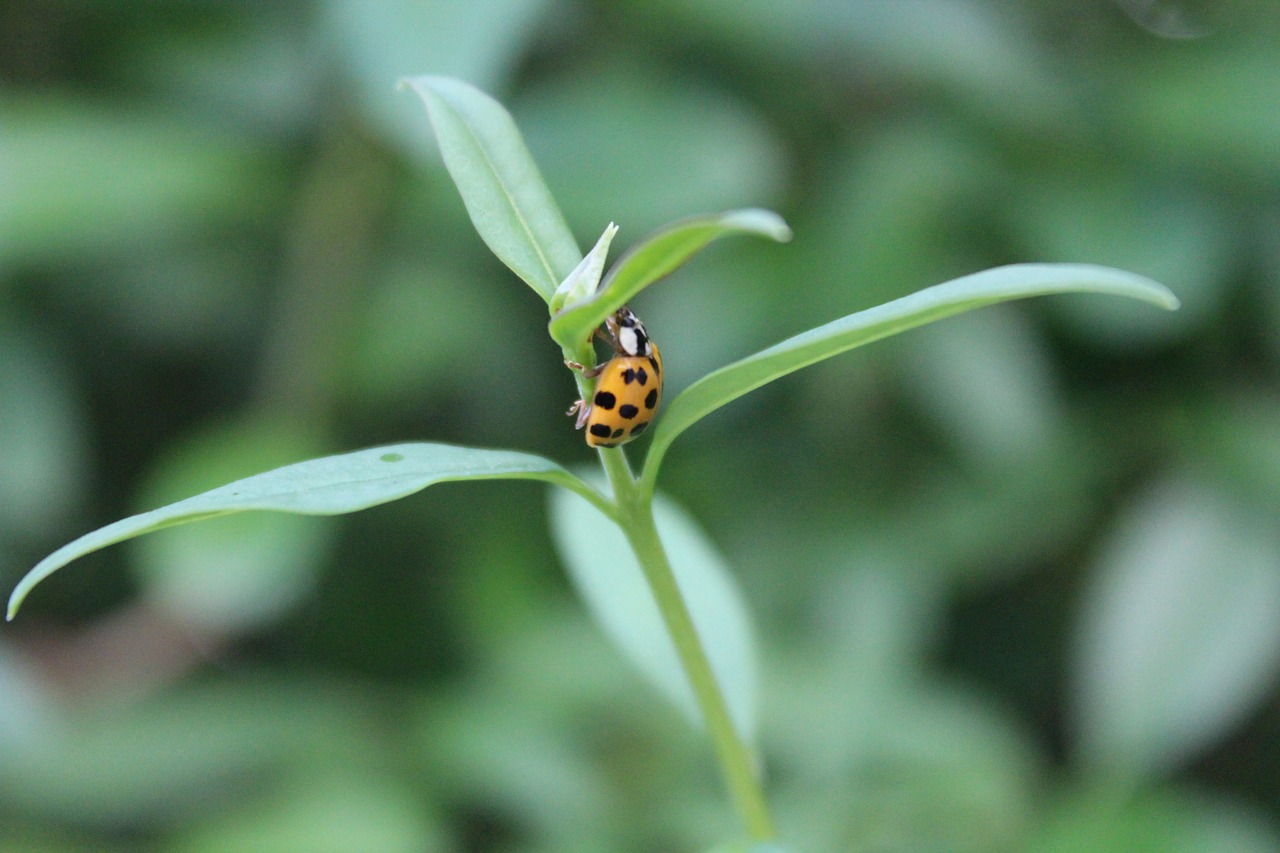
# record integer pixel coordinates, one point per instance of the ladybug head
(629, 332)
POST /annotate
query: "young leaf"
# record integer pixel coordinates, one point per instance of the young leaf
(331, 485)
(933, 303)
(508, 201)
(656, 256)
(618, 596)
(584, 281)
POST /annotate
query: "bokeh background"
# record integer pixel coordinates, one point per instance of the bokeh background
(1016, 576)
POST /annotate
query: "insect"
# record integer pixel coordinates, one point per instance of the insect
(630, 385)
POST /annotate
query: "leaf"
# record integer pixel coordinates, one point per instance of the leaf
(331, 485)
(584, 281)
(618, 596)
(657, 256)
(508, 202)
(1179, 634)
(933, 303)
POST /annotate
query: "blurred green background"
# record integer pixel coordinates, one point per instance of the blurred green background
(1016, 576)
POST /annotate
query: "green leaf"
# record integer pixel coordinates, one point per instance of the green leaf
(933, 303)
(618, 596)
(508, 201)
(1179, 634)
(584, 281)
(331, 485)
(657, 256)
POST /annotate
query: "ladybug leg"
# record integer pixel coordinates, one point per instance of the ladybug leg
(582, 410)
(606, 334)
(591, 373)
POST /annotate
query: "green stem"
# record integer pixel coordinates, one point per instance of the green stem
(635, 508)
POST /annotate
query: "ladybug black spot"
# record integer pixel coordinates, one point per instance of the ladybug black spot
(617, 433)
(628, 411)
(641, 376)
(605, 399)
(600, 430)
(651, 399)
(639, 428)
(656, 369)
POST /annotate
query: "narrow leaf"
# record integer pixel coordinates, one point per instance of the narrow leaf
(508, 201)
(331, 485)
(657, 256)
(934, 303)
(618, 596)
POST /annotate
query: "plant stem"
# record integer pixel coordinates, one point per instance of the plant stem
(736, 761)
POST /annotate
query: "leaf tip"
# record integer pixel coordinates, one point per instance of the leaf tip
(414, 83)
(19, 595)
(428, 84)
(1159, 295)
(766, 223)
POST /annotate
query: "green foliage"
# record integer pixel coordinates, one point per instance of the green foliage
(656, 257)
(509, 204)
(613, 586)
(1002, 584)
(328, 486)
(943, 300)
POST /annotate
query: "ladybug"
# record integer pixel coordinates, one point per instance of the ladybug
(630, 385)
